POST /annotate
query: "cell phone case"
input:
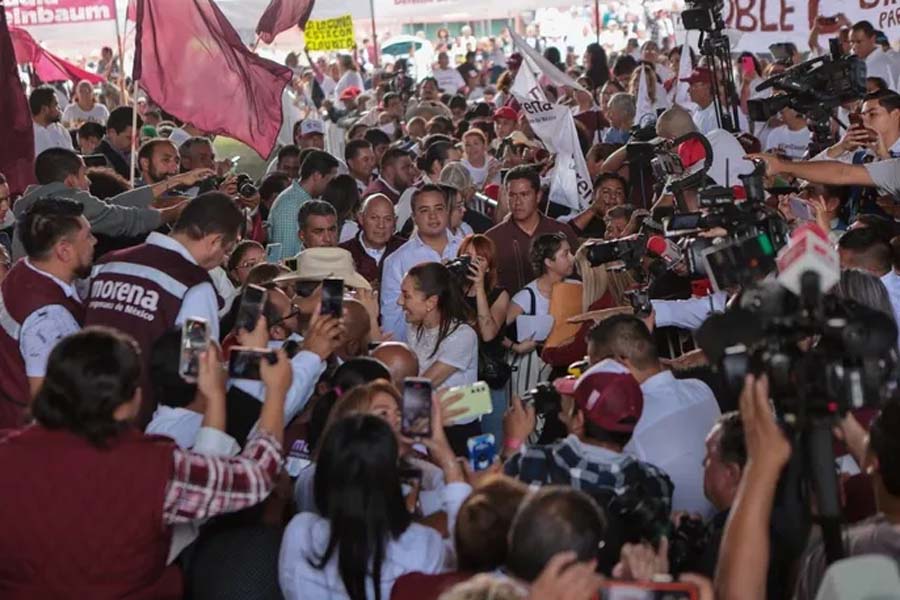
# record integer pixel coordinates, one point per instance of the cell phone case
(482, 450)
(476, 400)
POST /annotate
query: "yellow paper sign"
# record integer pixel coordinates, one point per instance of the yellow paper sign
(329, 34)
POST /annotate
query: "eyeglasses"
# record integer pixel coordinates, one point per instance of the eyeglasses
(286, 317)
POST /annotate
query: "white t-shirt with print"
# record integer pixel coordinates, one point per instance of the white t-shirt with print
(790, 143)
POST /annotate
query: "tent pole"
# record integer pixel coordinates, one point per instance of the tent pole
(374, 34)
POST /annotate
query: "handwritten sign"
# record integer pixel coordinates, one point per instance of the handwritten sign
(330, 34)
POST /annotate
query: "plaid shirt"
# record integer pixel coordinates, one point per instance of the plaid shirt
(599, 472)
(203, 486)
(283, 219)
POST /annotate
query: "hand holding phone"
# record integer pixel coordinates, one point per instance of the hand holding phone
(416, 410)
(244, 362)
(482, 451)
(252, 301)
(194, 341)
(332, 303)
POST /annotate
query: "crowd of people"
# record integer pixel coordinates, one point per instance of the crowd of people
(619, 453)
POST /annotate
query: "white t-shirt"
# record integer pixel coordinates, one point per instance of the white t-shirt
(523, 299)
(53, 135)
(459, 349)
(97, 114)
(790, 143)
(479, 174)
(449, 80)
(419, 548)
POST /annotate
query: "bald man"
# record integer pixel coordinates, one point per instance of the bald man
(376, 239)
(355, 341)
(399, 359)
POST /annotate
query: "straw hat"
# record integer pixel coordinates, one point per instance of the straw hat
(316, 264)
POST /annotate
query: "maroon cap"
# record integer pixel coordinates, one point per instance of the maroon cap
(350, 93)
(613, 401)
(506, 112)
(699, 75)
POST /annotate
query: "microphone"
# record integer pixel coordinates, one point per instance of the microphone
(808, 251)
(665, 249)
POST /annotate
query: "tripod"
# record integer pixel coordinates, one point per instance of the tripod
(716, 47)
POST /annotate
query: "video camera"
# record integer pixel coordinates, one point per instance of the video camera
(703, 15)
(814, 88)
(244, 183)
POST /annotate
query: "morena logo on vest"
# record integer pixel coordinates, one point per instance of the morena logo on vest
(121, 296)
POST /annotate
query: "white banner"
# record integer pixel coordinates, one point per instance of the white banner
(555, 126)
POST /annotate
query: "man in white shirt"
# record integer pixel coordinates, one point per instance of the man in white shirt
(431, 242)
(863, 248)
(791, 139)
(878, 64)
(677, 413)
(448, 78)
(85, 109)
(45, 115)
(701, 92)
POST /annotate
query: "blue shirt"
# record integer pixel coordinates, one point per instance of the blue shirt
(283, 218)
(410, 254)
(616, 136)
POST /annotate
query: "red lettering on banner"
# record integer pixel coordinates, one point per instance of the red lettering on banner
(866, 5)
(744, 20)
(762, 18)
(750, 15)
(785, 11)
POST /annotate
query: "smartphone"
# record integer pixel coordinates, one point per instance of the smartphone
(273, 253)
(252, 301)
(482, 451)
(416, 412)
(332, 298)
(827, 21)
(194, 340)
(856, 119)
(646, 590)
(243, 362)
(411, 485)
(476, 400)
(748, 66)
(95, 160)
(801, 209)
(291, 263)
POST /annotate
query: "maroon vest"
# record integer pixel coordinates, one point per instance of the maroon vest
(83, 522)
(23, 292)
(139, 291)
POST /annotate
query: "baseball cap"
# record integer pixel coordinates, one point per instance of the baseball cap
(350, 93)
(312, 127)
(608, 398)
(506, 112)
(699, 75)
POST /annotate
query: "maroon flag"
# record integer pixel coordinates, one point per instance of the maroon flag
(47, 66)
(190, 60)
(281, 15)
(16, 158)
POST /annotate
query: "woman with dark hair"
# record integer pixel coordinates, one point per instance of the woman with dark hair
(343, 194)
(89, 501)
(439, 334)
(436, 155)
(246, 255)
(365, 538)
(596, 66)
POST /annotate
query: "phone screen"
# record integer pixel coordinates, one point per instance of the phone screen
(416, 418)
(332, 297)
(252, 301)
(273, 253)
(243, 363)
(684, 221)
(194, 340)
(801, 209)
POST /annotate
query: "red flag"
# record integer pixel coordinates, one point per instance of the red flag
(191, 61)
(48, 67)
(281, 15)
(16, 159)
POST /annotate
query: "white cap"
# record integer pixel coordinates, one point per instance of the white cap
(311, 126)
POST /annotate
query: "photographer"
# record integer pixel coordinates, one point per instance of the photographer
(600, 414)
(489, 302)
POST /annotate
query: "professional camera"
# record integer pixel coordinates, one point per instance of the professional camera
(544, 397)
(640, 302)
(814, 88)
(628, 250)
(687, 542)
(244, 183)
(703, 15)
(459, 268)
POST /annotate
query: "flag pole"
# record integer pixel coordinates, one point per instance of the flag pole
(597, 19)
(136, 135)
(374, 34)
(121, 43)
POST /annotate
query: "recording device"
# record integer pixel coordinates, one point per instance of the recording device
(814, 88)
(291, 263)
(332, 298)
(476, 400)
(243, 362)
(640, 302)
(628, 251)
(661, 158)
(648, 590)
(95, 160)
(194, 341)
(665, 249)
(416, 410)
(459, 268)
(273, 253)
(482, 451)
(748, 66)
(252, 301)
(783, 51)
(544, 398)
(243, 182)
